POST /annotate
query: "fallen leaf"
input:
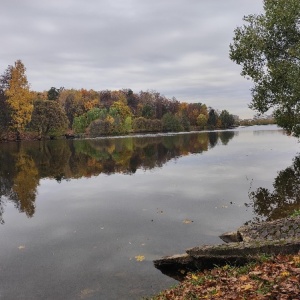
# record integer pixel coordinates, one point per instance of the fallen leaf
(194, 277)
(139, 257)
(244, 278)
(187, 221)
(246, 287)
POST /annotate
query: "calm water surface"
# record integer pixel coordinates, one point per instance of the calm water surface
(76, 215)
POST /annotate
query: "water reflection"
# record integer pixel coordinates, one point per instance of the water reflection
(283, 200)
(22, 165)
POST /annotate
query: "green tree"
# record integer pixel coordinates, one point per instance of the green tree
(171, 123)
(201, 121)
(212, 118)
(227, 120)
(19, 98)
(53, 93)
(268, 49)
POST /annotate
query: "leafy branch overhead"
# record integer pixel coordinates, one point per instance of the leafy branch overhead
(268, 49)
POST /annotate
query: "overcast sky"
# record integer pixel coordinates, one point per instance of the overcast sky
(176, 47)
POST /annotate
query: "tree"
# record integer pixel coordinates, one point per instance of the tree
(212, 118)
(48, 118)
(268, 49)
(19, 97)
(4, 107)
(53, 93)
(227, 120)
(171, 123)
(201, 121)
(72, 103)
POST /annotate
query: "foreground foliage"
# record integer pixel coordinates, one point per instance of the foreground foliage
(271, 278)
(268, 49)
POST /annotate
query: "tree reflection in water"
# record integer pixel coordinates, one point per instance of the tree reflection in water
(22, 165)
(285, 198)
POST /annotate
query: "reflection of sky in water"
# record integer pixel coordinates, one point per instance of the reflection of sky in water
(86, 232)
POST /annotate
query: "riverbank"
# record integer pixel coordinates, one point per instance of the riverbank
(272, 277)
(245, 249)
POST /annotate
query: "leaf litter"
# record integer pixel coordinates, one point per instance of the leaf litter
(273, 278)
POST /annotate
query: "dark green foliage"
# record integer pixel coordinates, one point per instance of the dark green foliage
(148, 111)
(227, 120)
(171, 123)
(5, 113)
(53, 93)
(212, 119)
(184, 120)
(268, 49)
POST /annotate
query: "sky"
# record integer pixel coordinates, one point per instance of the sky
(179, 48)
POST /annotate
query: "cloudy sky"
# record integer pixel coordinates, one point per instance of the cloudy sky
(176, 47)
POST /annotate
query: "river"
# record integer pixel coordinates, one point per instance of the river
(84, 219)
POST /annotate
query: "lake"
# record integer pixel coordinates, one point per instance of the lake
(84, 219)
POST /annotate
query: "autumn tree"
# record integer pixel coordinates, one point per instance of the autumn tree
(48, 118)
(73, 104)
(90, 99)
(268, 49)
(25, 184)
(201, 121)
(19, 97)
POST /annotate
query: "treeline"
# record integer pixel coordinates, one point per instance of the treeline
(251, 122)
(59, 111)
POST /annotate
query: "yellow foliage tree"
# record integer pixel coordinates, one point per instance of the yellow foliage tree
(19, 98)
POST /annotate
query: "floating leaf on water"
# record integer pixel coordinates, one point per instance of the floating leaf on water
(21, 247)
(187, 221)
(139, 257)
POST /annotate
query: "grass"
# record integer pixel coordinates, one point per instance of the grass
(296, 213)
(271, 277)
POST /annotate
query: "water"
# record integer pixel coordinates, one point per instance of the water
(77, 215)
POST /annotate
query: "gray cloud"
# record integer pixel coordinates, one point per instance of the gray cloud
(177, 47)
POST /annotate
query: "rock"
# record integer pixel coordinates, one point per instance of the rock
(246, 249)
(231, 237)
(244, 245)
(176, 266)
